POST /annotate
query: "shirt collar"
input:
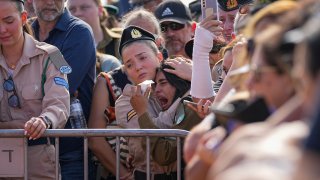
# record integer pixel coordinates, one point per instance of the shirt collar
(30, 50)
(30, 47)
(63, 21)
(61, 24)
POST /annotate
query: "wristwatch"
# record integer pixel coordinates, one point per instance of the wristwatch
(47, 121)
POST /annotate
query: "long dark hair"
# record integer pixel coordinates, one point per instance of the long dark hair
(182, 86)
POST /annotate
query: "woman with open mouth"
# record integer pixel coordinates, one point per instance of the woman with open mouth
(169, 90)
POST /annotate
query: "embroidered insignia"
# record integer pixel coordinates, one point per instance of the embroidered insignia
(65, 69)
(130, 115)
(232, 4)
(135, 33)
(61, 82)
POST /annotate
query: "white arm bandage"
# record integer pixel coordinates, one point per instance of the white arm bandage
(201, 81)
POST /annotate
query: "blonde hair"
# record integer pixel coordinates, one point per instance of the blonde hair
(273, 9)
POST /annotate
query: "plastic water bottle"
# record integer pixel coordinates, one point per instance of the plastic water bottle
(76, 118)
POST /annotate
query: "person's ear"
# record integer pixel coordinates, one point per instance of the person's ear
(100, 11)
(160, 56)
(159, 41)
(24, 17)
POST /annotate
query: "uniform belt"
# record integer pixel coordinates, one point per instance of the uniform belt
(40, 141)
(164, 176)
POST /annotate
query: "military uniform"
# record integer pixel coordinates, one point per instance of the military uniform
(52, 103)
(128, 118)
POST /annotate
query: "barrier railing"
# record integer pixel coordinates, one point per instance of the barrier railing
(85, 133)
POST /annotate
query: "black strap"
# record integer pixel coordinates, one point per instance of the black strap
(41, 141)
(44, 76)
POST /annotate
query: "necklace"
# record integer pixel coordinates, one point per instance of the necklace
(11, 66)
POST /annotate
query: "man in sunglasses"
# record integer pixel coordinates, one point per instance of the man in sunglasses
(175, 22)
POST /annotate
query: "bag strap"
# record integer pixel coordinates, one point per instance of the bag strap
(44, 76)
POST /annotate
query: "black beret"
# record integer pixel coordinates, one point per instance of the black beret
(134, 33)
(230, 5)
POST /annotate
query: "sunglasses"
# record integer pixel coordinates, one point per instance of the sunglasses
(216, 48)
(13, 100)
(173, 26)
(257, 71)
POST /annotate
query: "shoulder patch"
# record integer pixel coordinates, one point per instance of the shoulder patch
(56, 57)
(61, 82)
(130, 115)
(60, 63)
(65, 69)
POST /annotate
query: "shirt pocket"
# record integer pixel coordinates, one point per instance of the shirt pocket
(32, 99)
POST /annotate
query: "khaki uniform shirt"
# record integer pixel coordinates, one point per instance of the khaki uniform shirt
(128, 118)
(27, 80)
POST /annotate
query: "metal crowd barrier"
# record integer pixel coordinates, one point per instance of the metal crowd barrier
(85, 133)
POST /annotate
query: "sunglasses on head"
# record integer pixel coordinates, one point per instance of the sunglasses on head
(172, 25)
(13, 100)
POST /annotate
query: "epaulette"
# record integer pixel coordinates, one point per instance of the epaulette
(56, 58)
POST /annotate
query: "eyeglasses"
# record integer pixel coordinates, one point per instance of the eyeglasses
(257, 71)
(216, 48)
(13, 100)
(172, 25)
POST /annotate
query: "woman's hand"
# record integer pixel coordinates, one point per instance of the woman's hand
(213, 25)
(139, 101)
(182, 67)
(202, 108)
(35, 127)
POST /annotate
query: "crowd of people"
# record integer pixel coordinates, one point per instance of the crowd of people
(243, 81)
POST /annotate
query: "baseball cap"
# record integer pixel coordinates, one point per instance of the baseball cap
(173, 10)
(132, 34)
(21, 1)
(111, 9)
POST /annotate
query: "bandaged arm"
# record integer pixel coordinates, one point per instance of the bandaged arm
(201, 81)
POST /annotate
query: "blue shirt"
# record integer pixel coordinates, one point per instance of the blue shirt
(74, 39)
